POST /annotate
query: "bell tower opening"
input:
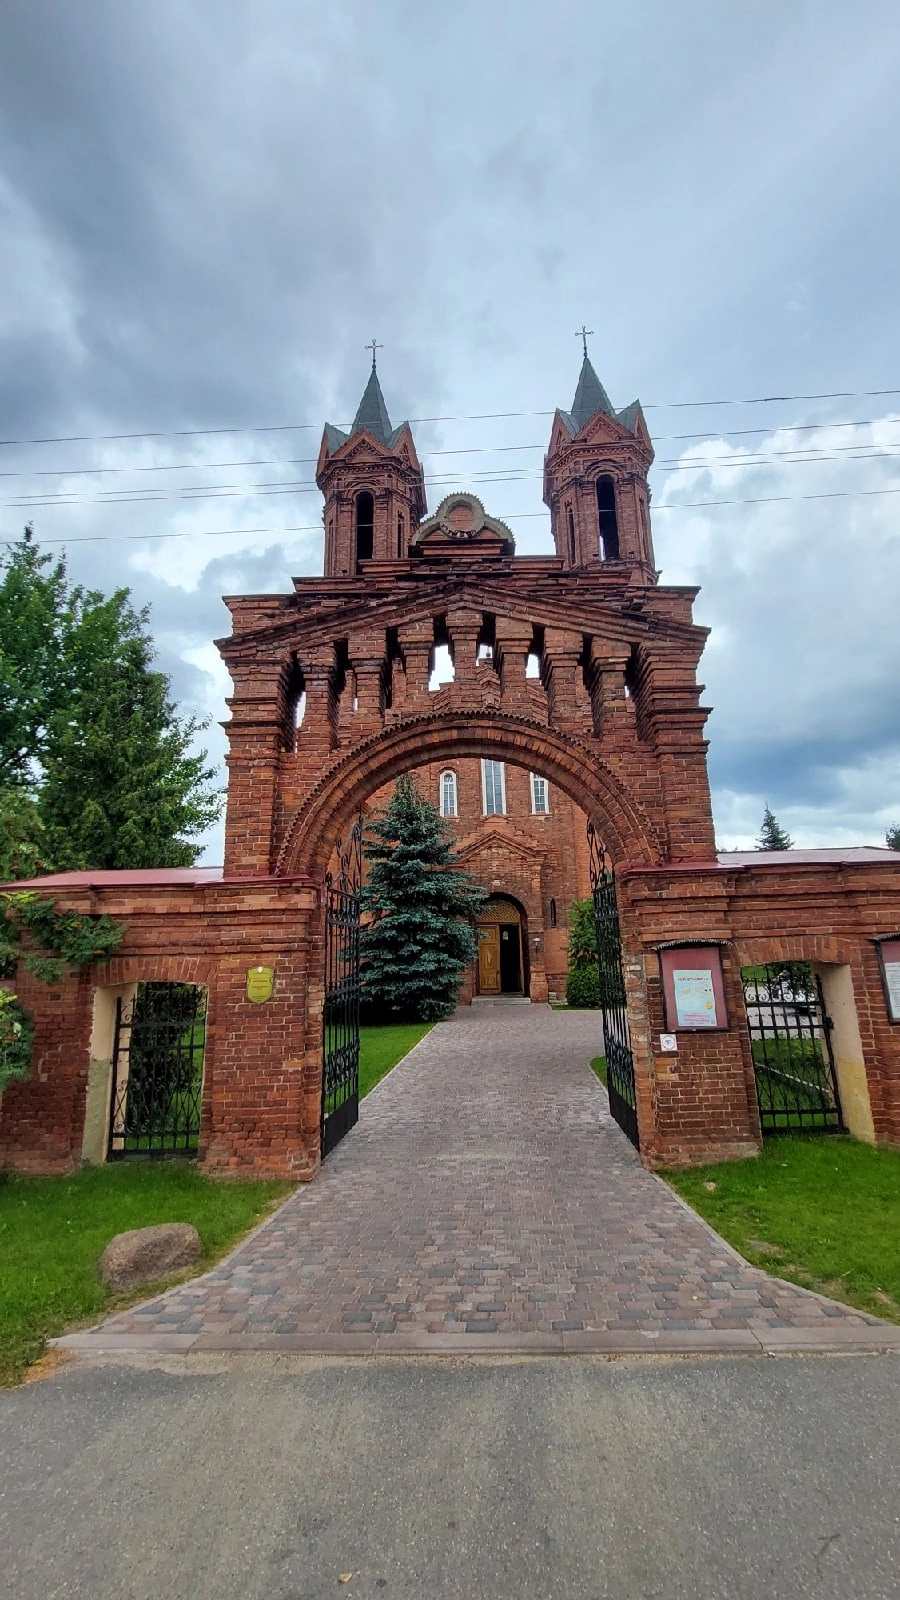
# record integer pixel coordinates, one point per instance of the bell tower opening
(365, 527)
(607, 519)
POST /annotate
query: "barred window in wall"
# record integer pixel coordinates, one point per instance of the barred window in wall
(493, 788)
(540, 794)
(448, 794)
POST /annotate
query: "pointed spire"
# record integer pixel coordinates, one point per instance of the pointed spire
(590, 396)
(373, 413)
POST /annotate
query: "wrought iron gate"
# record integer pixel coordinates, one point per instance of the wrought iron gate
(617, 1040)
(340, 1082)
(790, 1040)
(157, 1075)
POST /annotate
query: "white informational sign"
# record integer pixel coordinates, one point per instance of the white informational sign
(695, 999)
(892, 980)
(668, 1042)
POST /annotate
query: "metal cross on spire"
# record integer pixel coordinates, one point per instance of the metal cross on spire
(373, 347)
(584, 334)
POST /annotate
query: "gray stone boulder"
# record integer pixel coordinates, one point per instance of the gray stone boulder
(143, 1254)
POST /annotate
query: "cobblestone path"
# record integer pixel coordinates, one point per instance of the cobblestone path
(487, 1200)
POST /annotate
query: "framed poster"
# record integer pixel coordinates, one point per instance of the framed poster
(889, 951)
(693, 987)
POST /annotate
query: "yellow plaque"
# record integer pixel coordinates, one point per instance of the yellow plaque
(260, 984)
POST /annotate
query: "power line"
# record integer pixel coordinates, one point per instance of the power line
(466, 450)
(514, 516)
(483, 416)
(223, 491)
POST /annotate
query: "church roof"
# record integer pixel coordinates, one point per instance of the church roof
(591, 398)
(372, 415)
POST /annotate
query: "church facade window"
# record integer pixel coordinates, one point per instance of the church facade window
(540, 794)
(570, 528)
(493, 788)
(449, 802)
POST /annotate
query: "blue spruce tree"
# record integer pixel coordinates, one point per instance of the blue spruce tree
(421, 940)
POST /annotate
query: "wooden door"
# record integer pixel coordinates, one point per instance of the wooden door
(489, 959)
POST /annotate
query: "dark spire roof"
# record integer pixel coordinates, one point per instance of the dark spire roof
(373, 413)
(590, 397)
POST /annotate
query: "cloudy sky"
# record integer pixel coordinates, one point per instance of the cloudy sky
(208, 207)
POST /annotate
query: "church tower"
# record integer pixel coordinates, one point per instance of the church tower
(373, 486)
(595, 481)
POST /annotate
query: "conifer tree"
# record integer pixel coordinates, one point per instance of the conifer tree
(97, 768)
(772, 836)
(416, 949)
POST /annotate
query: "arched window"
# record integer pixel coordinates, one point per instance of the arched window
(553, 913)
(570, 524)
(400, 537)
(540, 794)
(493, 788)
(365, 526)
(448, 794)
(609, 525)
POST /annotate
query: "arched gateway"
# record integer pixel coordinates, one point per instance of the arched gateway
(578, 669)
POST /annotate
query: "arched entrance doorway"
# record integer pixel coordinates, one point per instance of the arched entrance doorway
(502, 949)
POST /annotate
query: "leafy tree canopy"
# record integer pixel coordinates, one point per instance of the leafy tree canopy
(892, 837)
(772, 836)
(421, 939)
(97, 768)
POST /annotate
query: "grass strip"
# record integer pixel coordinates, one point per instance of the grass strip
(53, 1231)
(822, 1211)
(598, 1065)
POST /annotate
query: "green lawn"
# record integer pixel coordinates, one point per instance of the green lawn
(822, 1211)
(53, 1231)
(381, 1048)
(598, 1065)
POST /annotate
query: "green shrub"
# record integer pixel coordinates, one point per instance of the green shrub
(583, 987)
(16, 1038)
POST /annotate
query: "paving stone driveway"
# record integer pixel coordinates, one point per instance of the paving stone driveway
(487, 1200)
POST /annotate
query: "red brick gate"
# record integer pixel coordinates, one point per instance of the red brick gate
(578, 667)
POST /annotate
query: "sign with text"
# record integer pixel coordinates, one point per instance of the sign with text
(693, 987)
(260, 984)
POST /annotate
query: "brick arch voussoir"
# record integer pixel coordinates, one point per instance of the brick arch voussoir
(567, 761)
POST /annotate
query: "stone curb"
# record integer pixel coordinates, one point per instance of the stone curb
(704, 1341)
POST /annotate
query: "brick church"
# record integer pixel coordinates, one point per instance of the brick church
(534, 696)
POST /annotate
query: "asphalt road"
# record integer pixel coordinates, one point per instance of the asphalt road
(271, 1478)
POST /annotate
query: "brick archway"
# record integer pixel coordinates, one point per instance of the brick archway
(563, 759)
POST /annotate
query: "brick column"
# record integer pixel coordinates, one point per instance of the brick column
(514, 641)
(417, 642)
(464, 627)
(255, 738)
(613, 715)
(368, 667)
(568, 710)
